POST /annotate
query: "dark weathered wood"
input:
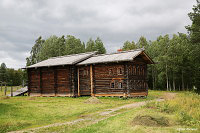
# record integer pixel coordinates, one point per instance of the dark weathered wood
(84, 79)
(55, 81)
(40, 80)
(11, 91)
(91, 81)
(129, 78)
(78, 83)
(5, 91)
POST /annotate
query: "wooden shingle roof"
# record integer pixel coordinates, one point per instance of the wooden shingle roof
(116, 57)
(63, 60)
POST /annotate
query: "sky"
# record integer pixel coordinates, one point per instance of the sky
(114, 21)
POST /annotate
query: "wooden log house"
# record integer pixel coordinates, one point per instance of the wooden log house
(56, 76)
(117, 74)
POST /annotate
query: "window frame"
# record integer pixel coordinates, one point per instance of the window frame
(110, 71)
(119, 71)
(120, 85)
(112, 83)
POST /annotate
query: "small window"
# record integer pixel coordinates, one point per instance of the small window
(119, 71)
(112, 85)
(120, 85)
(110, 71)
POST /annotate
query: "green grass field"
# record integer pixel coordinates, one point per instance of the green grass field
(182, 113)
(21, 113)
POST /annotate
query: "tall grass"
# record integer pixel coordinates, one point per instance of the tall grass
(186, 106)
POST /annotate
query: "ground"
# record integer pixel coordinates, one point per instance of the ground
(179, 112)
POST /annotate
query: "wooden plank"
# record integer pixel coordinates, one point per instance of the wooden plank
(55, 81)
(78, 83)
(120, 94)
(91, 81)
(28, 72)
(138, 94)
(40, 81)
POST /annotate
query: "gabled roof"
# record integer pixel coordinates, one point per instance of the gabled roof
(117, 57)
(63, 60)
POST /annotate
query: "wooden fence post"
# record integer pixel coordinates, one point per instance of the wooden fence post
(11, 91)
(5, 89)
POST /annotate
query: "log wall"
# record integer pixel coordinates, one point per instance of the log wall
(137, 77)
(52, 81)
(115, 79)
(84, 80)
(109, 79)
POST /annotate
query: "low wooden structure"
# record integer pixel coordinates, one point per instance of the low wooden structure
(56, 76)
(117, 74)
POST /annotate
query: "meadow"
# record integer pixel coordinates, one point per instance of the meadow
(21, 113)
(24, 112)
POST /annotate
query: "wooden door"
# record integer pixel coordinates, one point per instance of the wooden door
(84, 81)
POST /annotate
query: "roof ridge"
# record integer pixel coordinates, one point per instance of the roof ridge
(72, 55)
(142, 49)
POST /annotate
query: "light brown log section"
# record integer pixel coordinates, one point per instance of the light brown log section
(91, 81)
(117, 95)
(138, 94)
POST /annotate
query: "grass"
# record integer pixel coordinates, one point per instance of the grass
(17, 113)
(124, 123)
(181, 113)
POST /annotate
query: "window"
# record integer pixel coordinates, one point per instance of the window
(110, 71)
(119, 71)
(120, 85)
(112, 84)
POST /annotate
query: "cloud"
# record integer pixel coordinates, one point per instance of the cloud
(114, 21)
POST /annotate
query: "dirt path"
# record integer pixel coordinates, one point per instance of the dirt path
(105, 114)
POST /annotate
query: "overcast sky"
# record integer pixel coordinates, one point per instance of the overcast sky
(114, 21)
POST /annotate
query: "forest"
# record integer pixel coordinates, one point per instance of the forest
(176, 57)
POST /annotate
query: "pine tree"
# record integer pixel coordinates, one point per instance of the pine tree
(99, 46)
(3, 75)
(90, 46)
(142, 42)
(129, 46)
(34, 57)
(194, 32)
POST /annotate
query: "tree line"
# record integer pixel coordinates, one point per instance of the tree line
(11, 77)
(64, 45)
(177, 58)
